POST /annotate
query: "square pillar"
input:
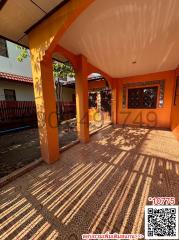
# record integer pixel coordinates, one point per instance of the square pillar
(114, 101)
(46, 108)
(82, 100)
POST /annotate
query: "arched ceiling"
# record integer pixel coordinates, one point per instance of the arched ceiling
(127, 37)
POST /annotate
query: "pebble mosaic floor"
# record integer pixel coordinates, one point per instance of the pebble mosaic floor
(96, 187)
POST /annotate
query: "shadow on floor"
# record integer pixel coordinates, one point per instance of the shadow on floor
(18, 149)
(98, 187)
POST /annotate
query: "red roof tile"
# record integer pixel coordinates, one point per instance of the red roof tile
(15, 77)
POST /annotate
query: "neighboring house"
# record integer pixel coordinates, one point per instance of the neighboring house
(16, 88)
(17, 101)
(15, 77)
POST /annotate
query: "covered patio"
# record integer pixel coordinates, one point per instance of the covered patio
(105, 190)
(103, 183)
(132, 44)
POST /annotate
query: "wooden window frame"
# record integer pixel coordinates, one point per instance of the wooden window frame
(14, 94)
(176, 87)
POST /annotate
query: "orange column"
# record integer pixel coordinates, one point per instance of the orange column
(82, 100)
(46, 108)
(114, 101)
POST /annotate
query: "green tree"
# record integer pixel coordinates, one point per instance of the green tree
(63, 70)
(60, 69)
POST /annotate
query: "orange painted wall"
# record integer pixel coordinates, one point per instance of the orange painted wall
(163, 115)
(175, 112)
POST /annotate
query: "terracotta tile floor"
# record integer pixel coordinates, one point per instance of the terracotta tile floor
(98, 187)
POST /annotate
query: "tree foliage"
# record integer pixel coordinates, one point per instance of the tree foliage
(63, 70)
(23, 53)
(60, 69)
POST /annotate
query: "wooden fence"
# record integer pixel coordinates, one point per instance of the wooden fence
(67, 107)
(18, 113)
(10, 110)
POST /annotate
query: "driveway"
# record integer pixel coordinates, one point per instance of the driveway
(17, 149)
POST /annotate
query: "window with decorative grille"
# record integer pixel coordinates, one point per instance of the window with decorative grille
(3, 48)
(141, 98)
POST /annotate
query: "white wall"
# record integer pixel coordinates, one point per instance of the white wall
(24, 92)
(68, 94)
(11, 65)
